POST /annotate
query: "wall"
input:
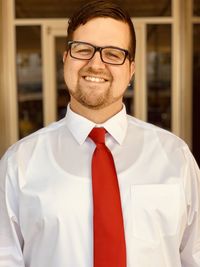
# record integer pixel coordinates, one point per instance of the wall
(1, 87)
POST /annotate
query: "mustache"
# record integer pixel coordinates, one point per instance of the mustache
(100, 73)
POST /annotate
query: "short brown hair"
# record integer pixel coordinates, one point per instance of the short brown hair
(101, 8)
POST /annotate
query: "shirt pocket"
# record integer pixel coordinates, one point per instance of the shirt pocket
(155, 211)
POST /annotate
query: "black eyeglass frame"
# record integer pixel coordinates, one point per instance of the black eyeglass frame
(99, 49)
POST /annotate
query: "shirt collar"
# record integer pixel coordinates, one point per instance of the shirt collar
(80, 127)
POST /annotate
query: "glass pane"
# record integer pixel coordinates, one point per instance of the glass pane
(29, 79)
(62, 93)
(159, 75)
(129, 98)
(146, 8)
(51, 8)
(196, 92)
(196, 8)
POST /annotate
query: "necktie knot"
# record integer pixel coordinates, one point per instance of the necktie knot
(98, 135)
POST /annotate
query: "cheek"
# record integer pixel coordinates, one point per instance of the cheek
(72, 68)
(121, 80)
(70, 75)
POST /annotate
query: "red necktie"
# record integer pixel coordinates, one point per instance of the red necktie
(109, 239)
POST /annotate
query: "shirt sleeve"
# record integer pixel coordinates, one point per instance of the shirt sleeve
(190, 245)
(11, 241)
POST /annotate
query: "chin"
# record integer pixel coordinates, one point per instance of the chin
(93, 105)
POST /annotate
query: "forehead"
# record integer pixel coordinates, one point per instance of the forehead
(104, 32)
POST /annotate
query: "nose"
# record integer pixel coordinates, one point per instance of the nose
(96, 61)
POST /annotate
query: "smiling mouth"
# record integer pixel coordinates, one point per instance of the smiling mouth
(95, 79)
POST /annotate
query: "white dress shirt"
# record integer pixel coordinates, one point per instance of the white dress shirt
(46, 195)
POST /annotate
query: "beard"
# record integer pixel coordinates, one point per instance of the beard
(91, 96)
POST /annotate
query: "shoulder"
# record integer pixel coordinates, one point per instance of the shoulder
(154, 133)
(27, 145)
(165, 149)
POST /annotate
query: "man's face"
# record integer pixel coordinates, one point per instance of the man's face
(93, 83)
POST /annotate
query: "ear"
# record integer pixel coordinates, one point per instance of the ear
(132, 68)
(64, 56)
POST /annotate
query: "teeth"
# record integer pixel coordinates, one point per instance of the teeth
(94, 79)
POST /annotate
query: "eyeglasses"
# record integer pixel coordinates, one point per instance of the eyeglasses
(109, 54)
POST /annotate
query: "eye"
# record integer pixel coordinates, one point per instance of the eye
(82, 49)
(113, 54)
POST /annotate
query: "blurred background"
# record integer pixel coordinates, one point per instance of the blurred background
(165, 90)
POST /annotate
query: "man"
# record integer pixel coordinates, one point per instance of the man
(48, 190)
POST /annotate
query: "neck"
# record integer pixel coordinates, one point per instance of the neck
(96, 115)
